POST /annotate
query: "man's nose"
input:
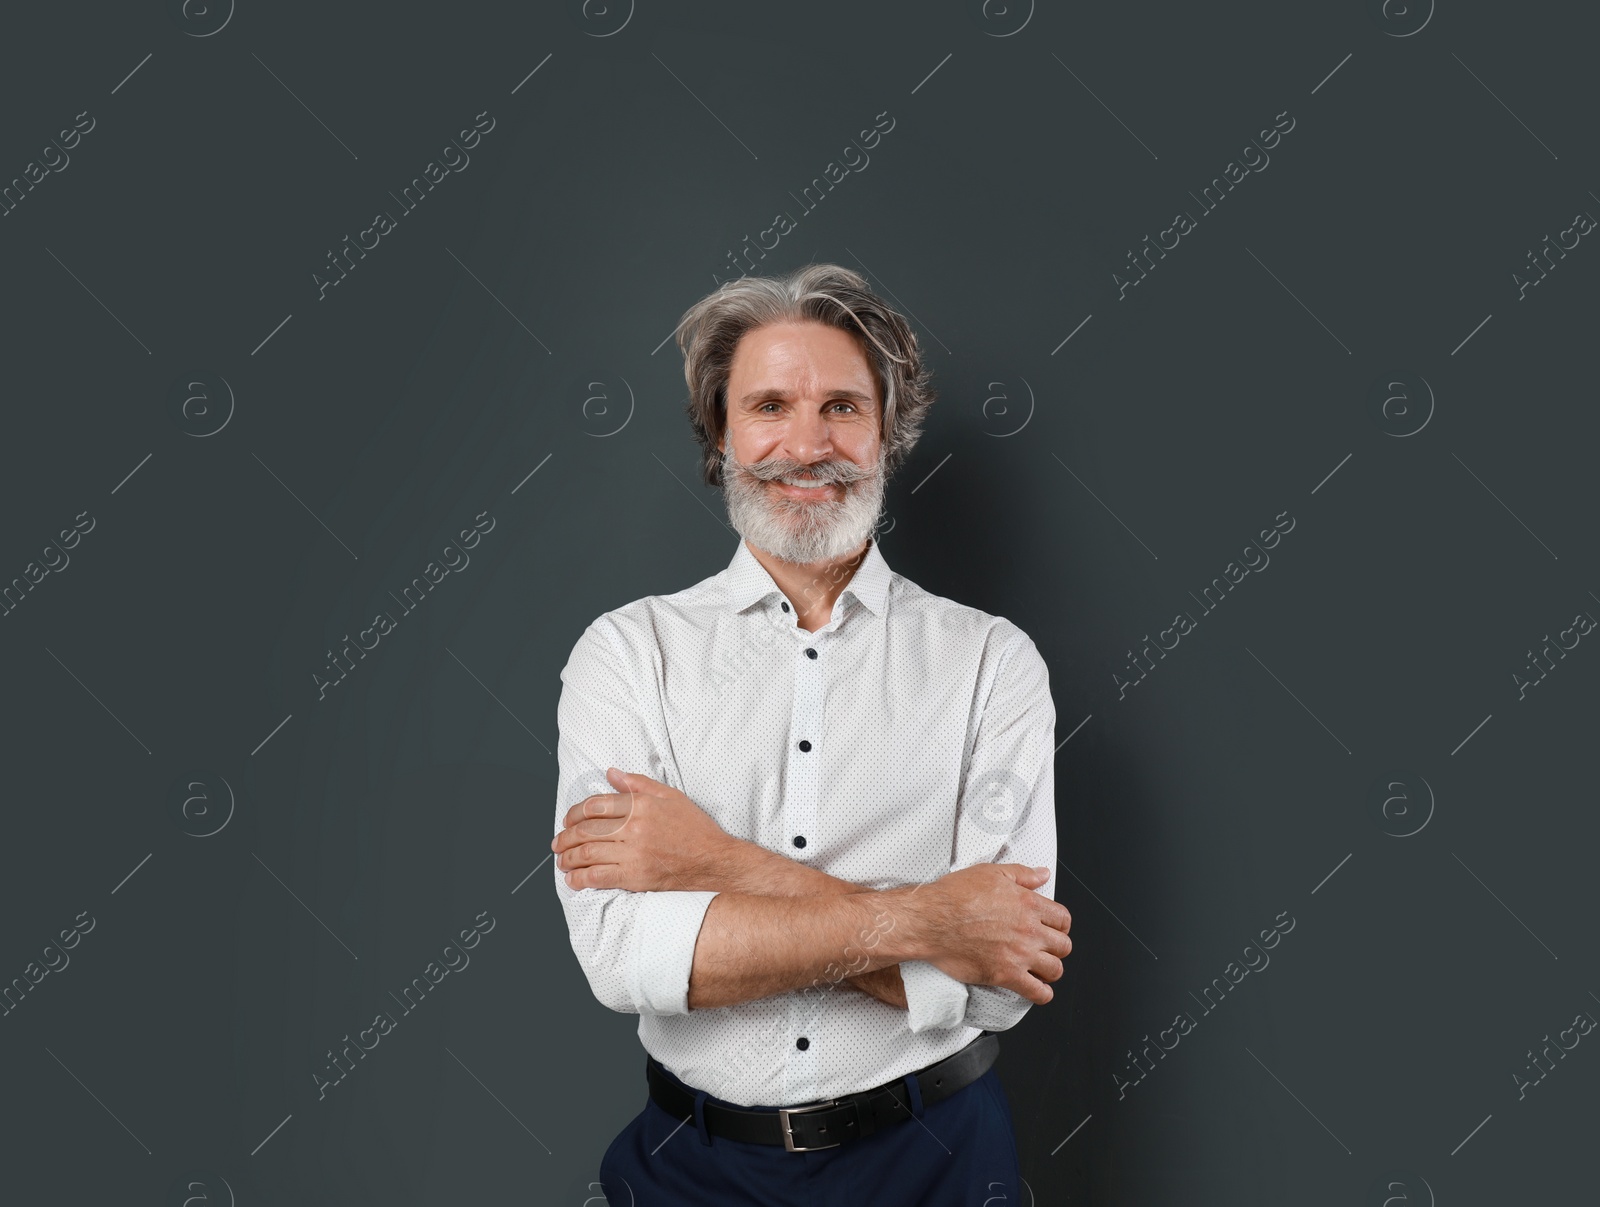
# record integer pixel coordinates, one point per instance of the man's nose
(807, 438)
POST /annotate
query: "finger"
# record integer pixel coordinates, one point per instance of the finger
(1046, 967)
(1056, 916)
(566, 838)
(614, 805)
(600, 828)
(604, 875)
(1057, 943)
(604, 805)
(1035, 990)
(629, 781)
(575, 834)
(1028, 877)
(578, 855)
(587, 854)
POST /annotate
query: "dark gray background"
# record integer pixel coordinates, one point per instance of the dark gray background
(1129, 466)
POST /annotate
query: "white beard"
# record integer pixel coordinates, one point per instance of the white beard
(798, 530)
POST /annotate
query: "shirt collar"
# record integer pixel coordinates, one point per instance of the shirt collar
(749, 582)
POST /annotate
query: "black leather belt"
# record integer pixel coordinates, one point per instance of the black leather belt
(830, 1123)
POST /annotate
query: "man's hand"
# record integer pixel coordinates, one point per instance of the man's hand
(884, 984)
(648, 837)
(985, 925)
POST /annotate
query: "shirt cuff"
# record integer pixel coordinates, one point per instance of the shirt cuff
(934, 999)
(665, 929)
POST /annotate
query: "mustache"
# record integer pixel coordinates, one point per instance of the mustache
(783, 467)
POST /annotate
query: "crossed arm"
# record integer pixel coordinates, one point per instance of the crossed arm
(777, 925)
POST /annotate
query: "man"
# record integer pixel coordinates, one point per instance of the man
(786, 795)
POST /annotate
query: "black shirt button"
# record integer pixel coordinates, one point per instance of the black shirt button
(802, 1043)
(784, 606)
(804, 746)
(811, 654)
(799, 840)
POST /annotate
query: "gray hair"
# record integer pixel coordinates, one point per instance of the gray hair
(711, 329)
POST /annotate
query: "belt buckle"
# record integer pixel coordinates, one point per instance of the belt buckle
(788, 1136)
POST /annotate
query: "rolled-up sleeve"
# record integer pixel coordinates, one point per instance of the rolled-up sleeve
(934, 999)
(636, 949)
(1006, 814)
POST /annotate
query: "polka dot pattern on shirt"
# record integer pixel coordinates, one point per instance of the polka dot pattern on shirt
(909, 736)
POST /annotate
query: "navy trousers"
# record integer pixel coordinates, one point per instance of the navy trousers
(960, 1152)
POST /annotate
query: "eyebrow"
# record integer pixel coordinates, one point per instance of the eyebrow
(765, 392)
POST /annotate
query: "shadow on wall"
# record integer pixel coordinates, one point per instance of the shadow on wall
(979, 533)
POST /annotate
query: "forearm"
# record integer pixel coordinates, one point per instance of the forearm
(753, 946)
(750, 868)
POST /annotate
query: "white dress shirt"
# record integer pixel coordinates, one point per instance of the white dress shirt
(908, 737)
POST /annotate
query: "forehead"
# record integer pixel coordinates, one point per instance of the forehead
(784, 355)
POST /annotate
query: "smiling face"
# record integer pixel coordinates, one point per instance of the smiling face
(802, 453)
